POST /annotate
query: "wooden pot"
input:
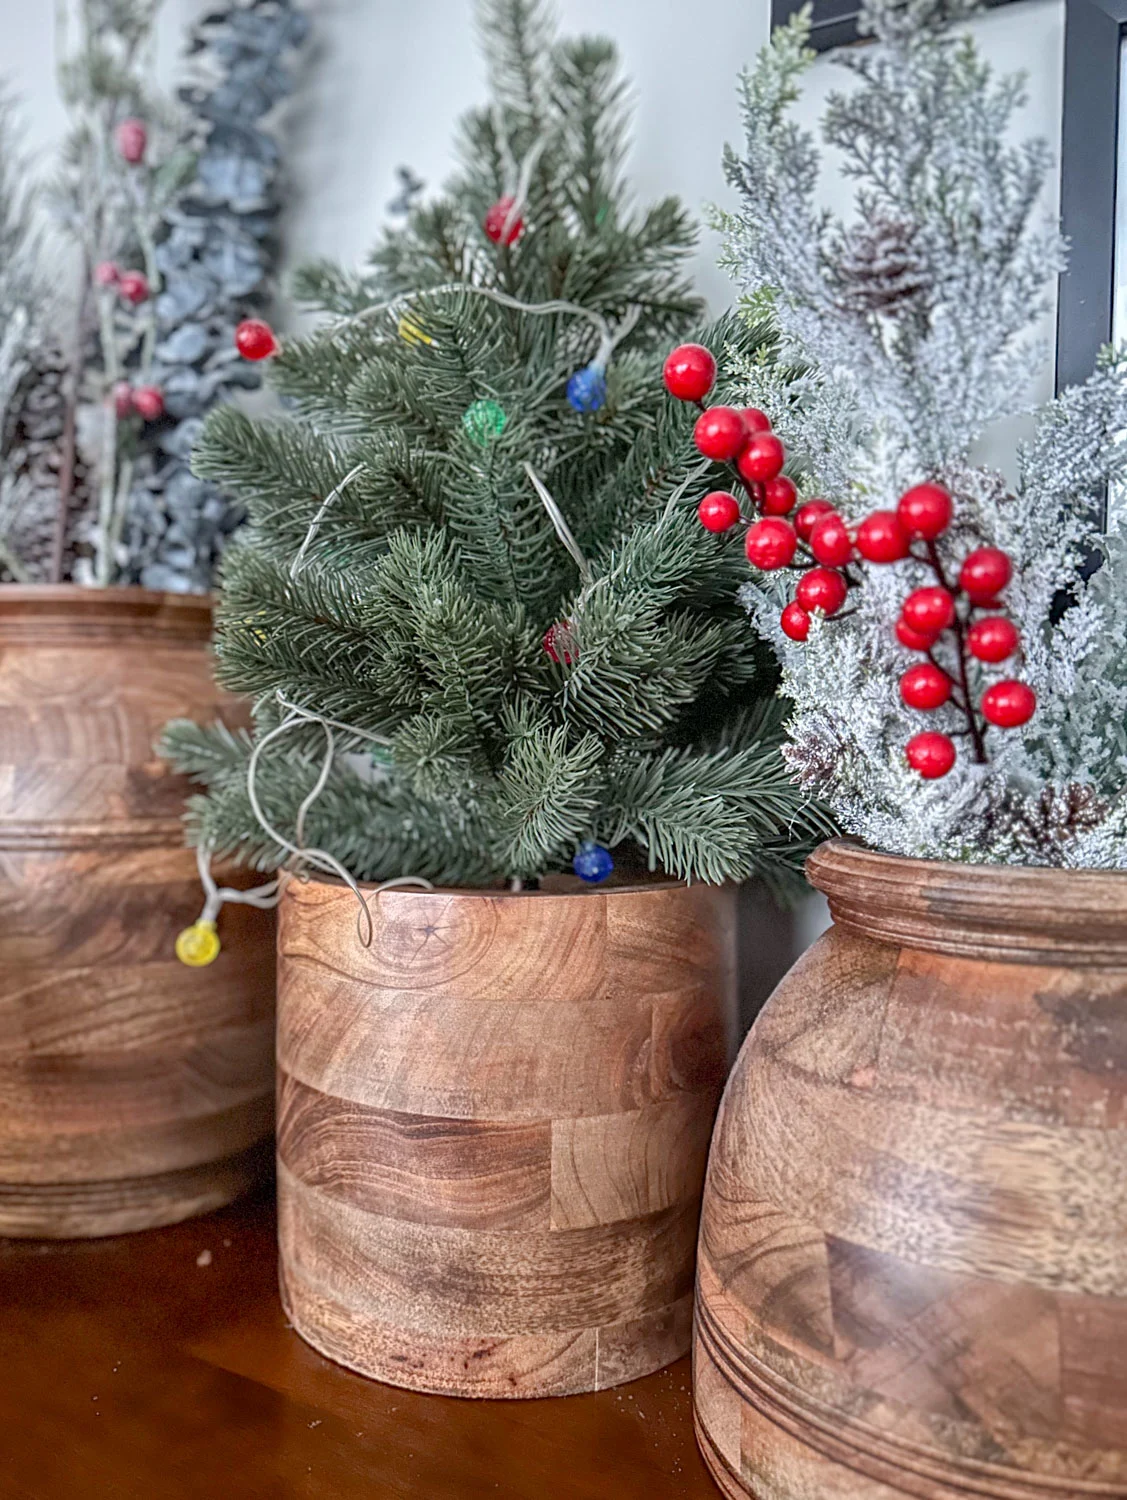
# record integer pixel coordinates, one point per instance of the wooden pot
(492, 1129)
(133, 1091)
(913, 1257)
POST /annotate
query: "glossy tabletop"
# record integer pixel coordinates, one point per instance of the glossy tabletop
(159, 1366)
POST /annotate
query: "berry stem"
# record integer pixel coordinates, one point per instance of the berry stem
(974, 728)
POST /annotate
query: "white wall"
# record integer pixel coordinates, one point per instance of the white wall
(385, 83)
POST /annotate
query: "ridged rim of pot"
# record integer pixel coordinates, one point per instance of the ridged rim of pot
(494, 893)
(68, 611)
(1029, 914)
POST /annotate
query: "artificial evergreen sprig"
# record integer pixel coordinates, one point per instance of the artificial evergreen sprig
(906, 330)
(457, 546)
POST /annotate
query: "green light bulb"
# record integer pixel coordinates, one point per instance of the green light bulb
(484, 421)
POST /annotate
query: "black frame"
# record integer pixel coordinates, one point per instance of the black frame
(1093, 35)
(833, 23)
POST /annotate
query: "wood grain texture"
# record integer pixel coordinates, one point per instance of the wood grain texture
(493, 1125)
(912, 1277)
(133, 1091)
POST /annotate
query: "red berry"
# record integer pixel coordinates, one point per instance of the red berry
(1008, 704)
(929, 610)
(255, 339)
(779, 495)
(718, 511)
(993, 638)
(689, 372)
(755, 420)
(496, 219)
(106, 273)
(821, 588)
(131, 138)
(925, 511)
(720, 433)
(830, 542)
(795, 621)
(985, 573)
(931, 754)
(915, 640)
(123, 400)
(148, 402)
(134, 287)
(771, 543)
(925, 686)
(807, 516)
(881, 538)
(560, 643)
(762, 458)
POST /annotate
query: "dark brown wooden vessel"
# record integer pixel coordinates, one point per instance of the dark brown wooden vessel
(913, 1259)
(492, 1129)
(133, 1091)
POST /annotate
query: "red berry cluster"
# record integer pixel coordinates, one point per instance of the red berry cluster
(144, 401)
(131, 286)
(814, 540)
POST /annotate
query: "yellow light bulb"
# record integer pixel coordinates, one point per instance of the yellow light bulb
(413, 333)
(198, 945)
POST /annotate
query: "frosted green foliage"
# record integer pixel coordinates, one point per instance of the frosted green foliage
(909, 329)
(417, 611)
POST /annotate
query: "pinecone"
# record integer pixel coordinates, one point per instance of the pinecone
(1045, 825)
(33, 462)
(878, 268)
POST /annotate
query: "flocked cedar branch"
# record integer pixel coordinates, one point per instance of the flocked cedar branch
(418, 611)
(915, 324)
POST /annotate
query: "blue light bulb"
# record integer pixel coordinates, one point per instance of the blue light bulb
(587, 388)
(593, 863)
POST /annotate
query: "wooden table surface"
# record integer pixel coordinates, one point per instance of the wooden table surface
(159, 1366)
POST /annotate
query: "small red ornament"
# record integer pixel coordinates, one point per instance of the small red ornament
(830, 542)
(993, 638)
(755, 420)
(821, 588)
(560, 643)
(795, 621)
(148, 402)
(123, 400)
(779, 495)
(915, 640)
(134, 287)
(689, 372)
(807, 516)
(929, 610)
(931, 754)
(771, 543)
(881, 538)
(107, 273)
(1008, 704)
(255, 339)
(131, 138)
(925, 511)
(925, 686)
(985, 573)
(720, 433)
(762, 458)
(495, 220)
(719, 511)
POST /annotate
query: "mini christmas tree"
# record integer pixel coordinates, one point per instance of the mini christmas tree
(473, 565)
(958, 669)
